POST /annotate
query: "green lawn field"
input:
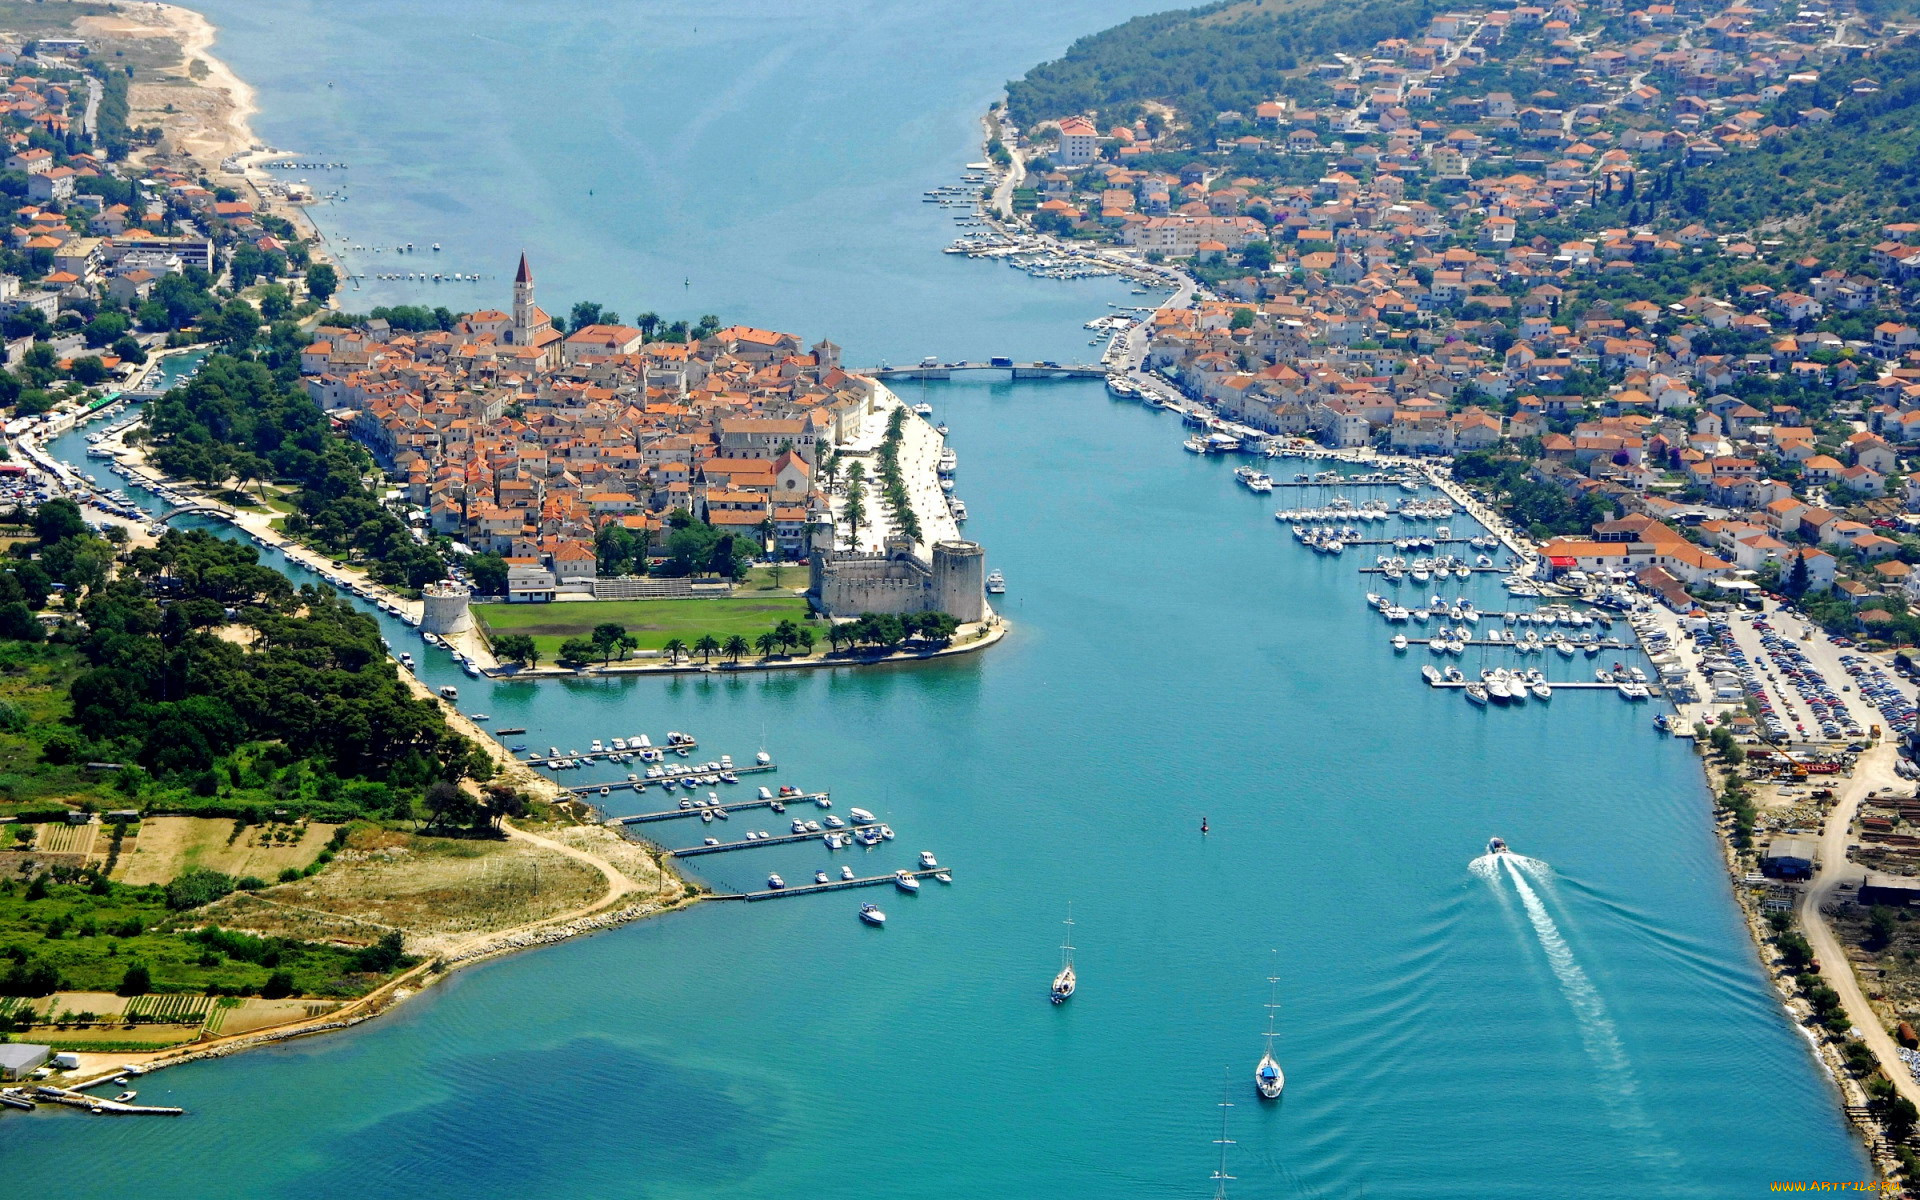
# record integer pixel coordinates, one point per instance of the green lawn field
(652, 623)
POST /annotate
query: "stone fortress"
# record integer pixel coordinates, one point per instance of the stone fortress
(846, 583)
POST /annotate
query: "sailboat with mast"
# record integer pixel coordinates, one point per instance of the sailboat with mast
(1268, 1076)
(1065, 981)
(1220, 1176)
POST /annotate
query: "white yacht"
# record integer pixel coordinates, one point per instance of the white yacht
(996, 583)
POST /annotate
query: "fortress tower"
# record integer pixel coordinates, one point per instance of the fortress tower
(960, 580)
(444, 610)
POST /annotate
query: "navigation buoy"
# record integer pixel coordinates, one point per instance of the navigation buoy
(1203, 824)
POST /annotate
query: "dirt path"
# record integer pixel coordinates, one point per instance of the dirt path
(1874, 770)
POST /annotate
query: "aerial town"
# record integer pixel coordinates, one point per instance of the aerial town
(1435, 248)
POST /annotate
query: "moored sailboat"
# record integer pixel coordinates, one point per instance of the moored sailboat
(1065, 982)
(1267, 1076)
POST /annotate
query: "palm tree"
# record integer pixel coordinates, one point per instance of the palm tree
(675, 648)
(767, 643)
(736, 647)
(708, 645)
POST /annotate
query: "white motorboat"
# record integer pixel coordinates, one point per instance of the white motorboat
(846, 872)
(927, 862)
(860, 816)
(905, 881)
(775, 882)
(1432, 675)
(871, 914)
(1400, 642)
(1476, 694)
(820, 877)
(1065, 982)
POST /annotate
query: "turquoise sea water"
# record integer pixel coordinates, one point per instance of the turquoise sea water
(1597, 1029)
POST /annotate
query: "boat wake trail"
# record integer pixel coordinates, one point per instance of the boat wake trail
(1597, 1031)
(1487, 866)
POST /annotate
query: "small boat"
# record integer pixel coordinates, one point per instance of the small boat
(1400, 643)
(927, 861)
(1432, 675)
(905, 881)
(125, 1097)
(1496, 846)
(871, 914)
(820, 877)
(775, 882)
(1476, 694)
(846, 872)
(1066, 981)
(861, 816)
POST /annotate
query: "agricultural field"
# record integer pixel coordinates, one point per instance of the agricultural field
(168, 846)
(438, 890)
(653, 623)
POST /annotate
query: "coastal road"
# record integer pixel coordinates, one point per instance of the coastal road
(1873, 771)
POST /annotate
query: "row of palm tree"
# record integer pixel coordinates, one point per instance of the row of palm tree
(784, 638)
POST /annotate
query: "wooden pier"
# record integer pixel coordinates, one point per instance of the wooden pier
(812, 798)
(833, 885)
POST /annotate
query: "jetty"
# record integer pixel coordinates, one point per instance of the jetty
(835, 885)
(669, 814)
(95, 1104)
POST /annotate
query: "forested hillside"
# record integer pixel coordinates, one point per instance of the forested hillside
(1863, 164)
(1205, 60)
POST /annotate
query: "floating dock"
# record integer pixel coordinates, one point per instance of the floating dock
(1608, 644)
(812, 798)
(1571, 685)
(835, 885)
(775, 839)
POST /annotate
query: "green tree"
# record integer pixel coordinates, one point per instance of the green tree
(735, 648)
(577, 652)
(514, 647)
(606, 639)
(137, 981)
(322, 281)
(237, 324)
(489, 573)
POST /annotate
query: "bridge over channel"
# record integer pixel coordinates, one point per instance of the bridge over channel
(1021, 370)
(182, 509)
